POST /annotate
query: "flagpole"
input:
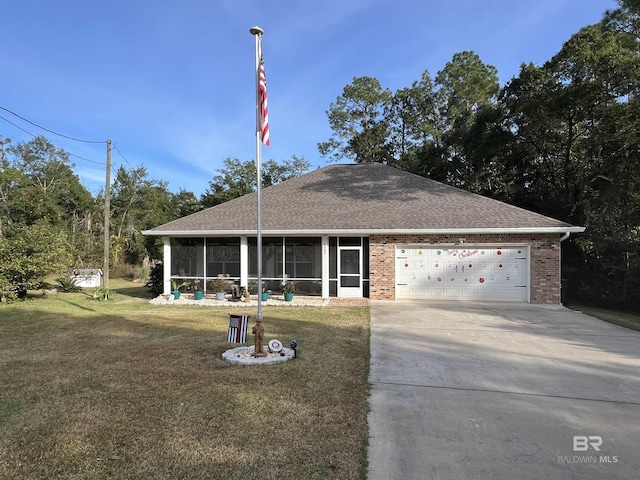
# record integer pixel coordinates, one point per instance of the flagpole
(257, 33)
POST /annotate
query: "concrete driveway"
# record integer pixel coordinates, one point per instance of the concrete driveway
(501, 391)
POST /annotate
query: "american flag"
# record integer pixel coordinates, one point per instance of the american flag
(262, 105)
(237, 328)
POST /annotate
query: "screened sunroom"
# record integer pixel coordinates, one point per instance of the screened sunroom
(316, 266)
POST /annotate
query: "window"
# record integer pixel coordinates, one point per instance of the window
(187, 257)
(303, 257)
(271, 257)
(223, 257)
(297, 259)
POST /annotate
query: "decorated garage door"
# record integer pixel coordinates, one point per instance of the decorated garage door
(465, 273)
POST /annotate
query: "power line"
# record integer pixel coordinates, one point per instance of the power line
(125, 158)
(34, 136)
(17, 126)
(133, 170)
(48, 130)
(86, 159)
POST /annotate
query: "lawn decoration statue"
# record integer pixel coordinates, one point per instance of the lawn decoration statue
(258, 332)
(237, 293)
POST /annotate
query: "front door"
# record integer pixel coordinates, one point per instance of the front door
(350, 272)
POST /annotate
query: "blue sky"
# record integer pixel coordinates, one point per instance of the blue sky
(171, 83)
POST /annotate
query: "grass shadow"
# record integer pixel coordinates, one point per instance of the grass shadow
(134, 292)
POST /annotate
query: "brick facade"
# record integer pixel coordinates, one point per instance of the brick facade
(544, 270)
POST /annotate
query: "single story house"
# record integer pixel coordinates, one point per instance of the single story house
(370, 230)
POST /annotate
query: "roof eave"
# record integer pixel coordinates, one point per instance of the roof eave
(366, 232)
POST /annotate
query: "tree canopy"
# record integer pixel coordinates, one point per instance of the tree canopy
(561, 139)
(358, 121)
(49, 222)
(237, 178)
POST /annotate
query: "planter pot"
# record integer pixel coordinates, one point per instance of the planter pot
(198, 294)
(288, 297)
(265, 297)
(176, 295)
(220, 296)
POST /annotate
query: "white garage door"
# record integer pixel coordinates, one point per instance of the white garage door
(465, 273)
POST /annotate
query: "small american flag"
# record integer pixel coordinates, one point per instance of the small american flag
(237, 328)
(262, 105)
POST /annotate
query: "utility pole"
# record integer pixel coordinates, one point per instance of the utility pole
(107, 218)
(3, 159)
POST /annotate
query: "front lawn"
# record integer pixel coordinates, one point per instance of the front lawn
(121, 389)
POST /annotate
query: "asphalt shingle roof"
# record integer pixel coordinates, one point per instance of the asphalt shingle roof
(369, 197)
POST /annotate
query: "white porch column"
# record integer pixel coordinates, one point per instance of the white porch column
(325, 266)
(166, 265)
(244, 262)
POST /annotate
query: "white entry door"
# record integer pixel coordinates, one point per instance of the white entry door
(350, 272)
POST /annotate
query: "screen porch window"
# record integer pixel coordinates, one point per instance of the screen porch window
(223, 257)
(288, 259)
(187, 255)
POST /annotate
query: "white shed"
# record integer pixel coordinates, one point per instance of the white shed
(87, 277)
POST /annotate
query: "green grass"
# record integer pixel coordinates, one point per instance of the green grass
(122, 389)
(624, 319)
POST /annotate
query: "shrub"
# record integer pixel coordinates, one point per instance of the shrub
(30, 254)
(155, 283)
(219, 284)
(7, 291)
(143, 273)
(124, 270)
(67, 285)
(101, 294)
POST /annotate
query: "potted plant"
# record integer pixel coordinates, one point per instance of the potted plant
(197, 293)
(176, 288)
(265, 294)
(219, 285)
(288, 289)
